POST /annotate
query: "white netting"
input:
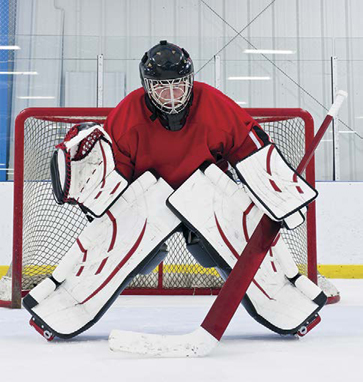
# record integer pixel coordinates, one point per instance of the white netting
(50, 229)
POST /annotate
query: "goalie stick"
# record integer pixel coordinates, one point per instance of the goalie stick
(204, 339)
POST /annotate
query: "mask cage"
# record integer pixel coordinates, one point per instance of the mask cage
(170, 96)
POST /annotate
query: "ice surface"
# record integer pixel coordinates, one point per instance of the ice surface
(248, 352)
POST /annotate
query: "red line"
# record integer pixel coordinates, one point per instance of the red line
(272, 262)
(103, 263)
(261, 289)
(104, 165)
(114, 190)
(244, 221)
(80, 270)
(80, 246)
(114, 230)
(97, 196)
(273, 266)
(276, 240)
(119, 266)
(84, 251)
(294, 179)
(268, 167)
(268, 159)
(229, 245)
(274, 185)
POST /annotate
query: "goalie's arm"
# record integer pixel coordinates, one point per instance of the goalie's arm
(83, 170)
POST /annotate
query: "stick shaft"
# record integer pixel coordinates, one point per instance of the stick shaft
(314, 144)
(241, 276)
(332, 113)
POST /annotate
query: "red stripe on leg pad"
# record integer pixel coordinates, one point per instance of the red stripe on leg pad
(84, 251)
(80, 270)
(119, 266)
(244, 221)
(114, 230)
(80, 246)
(273, 267)
(276, 240)
(114, 190)
(261, 289)
(224, 237)
(272, 262)
(103, 263)
(98, 195)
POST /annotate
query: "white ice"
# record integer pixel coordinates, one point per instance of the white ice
(247, 352)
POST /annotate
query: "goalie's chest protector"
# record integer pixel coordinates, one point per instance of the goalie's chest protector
(215, 126)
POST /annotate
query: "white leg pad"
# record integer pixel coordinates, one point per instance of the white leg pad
(43, 290)
(222, 213)
(108, 250)
(277, 303)
(307, 287)
(217, 208)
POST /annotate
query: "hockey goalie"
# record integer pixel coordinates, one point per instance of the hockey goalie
(162, 163)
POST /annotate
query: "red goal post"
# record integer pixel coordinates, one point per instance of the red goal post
(38, 130)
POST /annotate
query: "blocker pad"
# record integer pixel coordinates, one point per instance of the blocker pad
(273, 185)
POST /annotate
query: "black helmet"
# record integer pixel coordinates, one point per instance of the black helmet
(166, 73)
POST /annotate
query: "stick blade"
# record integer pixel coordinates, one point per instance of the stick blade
(196, 344)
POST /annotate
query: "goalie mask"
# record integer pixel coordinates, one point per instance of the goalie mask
(167, 73)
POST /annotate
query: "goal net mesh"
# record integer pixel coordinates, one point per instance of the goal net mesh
(49, 229)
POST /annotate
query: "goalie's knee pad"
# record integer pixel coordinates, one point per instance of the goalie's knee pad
(111, 250)
(83, 170)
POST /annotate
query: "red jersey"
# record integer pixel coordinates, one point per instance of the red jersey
(215, 127)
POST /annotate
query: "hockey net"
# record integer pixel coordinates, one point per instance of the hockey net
(44, 231)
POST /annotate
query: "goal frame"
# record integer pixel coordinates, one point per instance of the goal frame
(284, 113)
